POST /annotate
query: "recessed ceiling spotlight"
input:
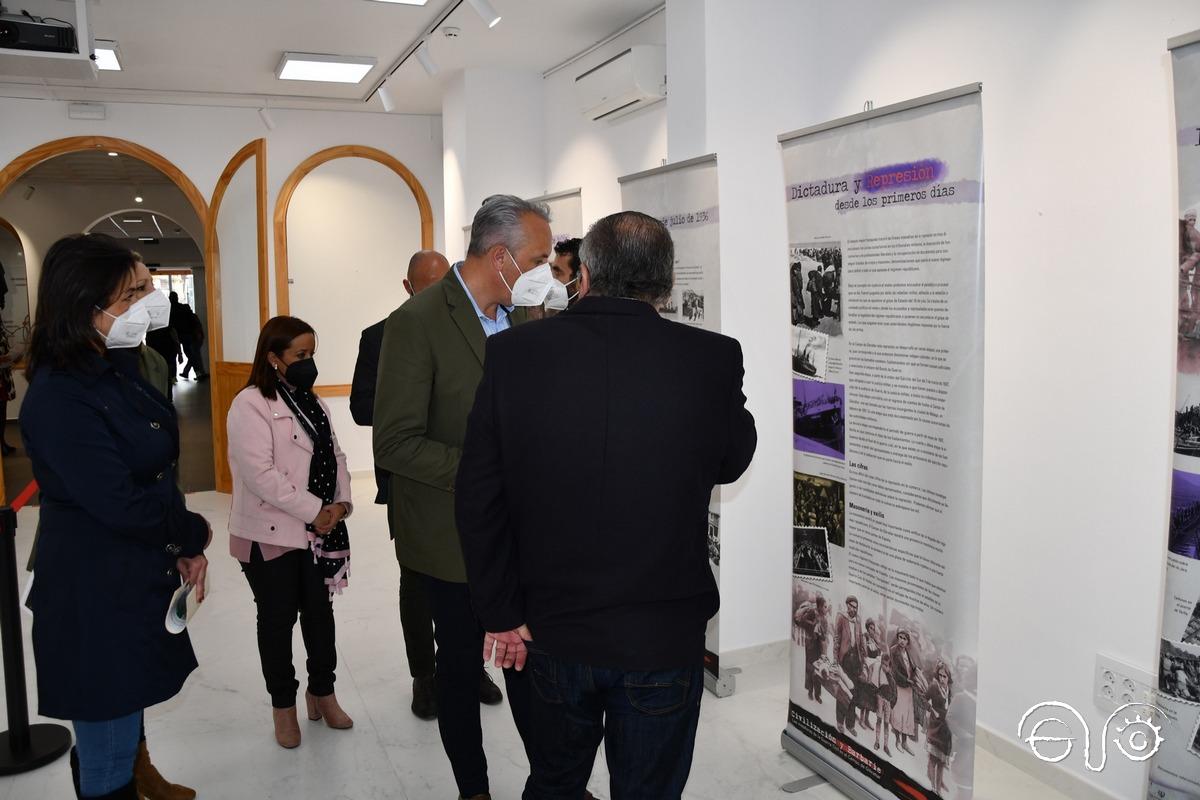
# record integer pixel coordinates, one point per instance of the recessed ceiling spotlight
(323, 68)
(137, 199)
(113, 153)
(105, 55)
(485, 11)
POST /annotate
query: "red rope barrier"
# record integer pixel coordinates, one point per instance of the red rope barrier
(24, 496)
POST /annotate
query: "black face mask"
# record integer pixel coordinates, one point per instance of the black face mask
(302, 374)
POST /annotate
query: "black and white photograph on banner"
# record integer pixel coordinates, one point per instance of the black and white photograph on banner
(1183, 536)
(670, 306)
(714, 538)
(693, 306)
(1187, 414)
(816, 280)
(820, 503)
(810, 553)
(894, 690)
(1189, 292)
(1179, 671)
(810, 353)
(819, 418)
(1194, 742)
(1191, 631)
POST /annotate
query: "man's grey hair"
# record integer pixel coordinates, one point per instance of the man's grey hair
(630, 255)
(499, 221)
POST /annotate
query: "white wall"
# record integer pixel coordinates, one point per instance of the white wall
(1079, 166)
(592, 155)
(352, 227)
(201, 140)
(237, 238)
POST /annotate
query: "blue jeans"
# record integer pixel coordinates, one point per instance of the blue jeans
(647, 721)
(106, 752)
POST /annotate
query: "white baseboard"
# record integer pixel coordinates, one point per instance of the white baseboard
(759, 653)
(1016, 753)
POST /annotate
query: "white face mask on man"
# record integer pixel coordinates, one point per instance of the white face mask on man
(158, 307)
(560, 297)
(532, 286)
(127, 330)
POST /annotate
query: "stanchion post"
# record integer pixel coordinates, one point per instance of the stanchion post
(22, 747)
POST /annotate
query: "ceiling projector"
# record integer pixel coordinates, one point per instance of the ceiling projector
(29, 33)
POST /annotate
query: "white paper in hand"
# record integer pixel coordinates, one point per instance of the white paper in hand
(183, 607)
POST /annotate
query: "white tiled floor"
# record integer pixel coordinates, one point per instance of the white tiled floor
(216, 735)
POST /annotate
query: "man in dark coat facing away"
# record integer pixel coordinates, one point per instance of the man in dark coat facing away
(586, 546)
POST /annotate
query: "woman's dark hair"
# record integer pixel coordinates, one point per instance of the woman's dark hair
(79, 274)
(276, 337)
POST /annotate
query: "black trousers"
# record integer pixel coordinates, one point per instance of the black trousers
(459, 658)
(191, 351)
(284, 587)
(416, 620)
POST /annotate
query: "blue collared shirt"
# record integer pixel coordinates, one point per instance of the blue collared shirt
(490, 326)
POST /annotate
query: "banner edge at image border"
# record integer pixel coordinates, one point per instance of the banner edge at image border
(895, 108)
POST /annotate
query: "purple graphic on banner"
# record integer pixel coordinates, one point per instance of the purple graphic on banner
(819, 418)
(1183, 537)
(903, 176)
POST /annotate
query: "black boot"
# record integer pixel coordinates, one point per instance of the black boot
(424, 703)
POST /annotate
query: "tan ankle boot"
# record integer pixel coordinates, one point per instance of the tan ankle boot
(327, 707)
(287, 727)
(153, 786)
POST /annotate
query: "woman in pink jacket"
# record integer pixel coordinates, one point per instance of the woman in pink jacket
(291, 493)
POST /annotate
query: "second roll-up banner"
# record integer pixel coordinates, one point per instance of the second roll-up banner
(886, 272)
(684, 197)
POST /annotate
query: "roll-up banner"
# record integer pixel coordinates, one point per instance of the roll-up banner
(1175, 770)
(684, 197)
(566, 213)
(885, 260)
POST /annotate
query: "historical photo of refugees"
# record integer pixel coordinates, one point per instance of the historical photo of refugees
(1191, 631)
(820, 503)
(1183, 536)
(810, 553)
(1189, 293)
(693, 306)
(714, 538)
(819, 418)
(1179, 671)
(1187, 416)
(816, 272)
(670, 306)
(887, 683)
(810, 353)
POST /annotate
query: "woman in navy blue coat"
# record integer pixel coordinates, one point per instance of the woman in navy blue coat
(116, 538)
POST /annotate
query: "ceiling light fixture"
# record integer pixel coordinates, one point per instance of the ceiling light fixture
(113, 153)
(426, 59)
(132, 221)
(156, 225)
(385, 97)
(137, 199)
(485, 11)
(105, 55)
(323, 68)
(118, 227)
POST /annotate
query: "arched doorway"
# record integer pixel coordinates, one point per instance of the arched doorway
(110, 146)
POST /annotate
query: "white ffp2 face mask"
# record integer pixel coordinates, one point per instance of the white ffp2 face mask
(560, 297)
(532, 286)
(127, 330)
(158, 307)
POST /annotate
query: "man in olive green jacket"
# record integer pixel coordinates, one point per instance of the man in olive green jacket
(429, 368)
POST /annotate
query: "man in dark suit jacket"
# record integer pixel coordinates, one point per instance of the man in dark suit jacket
(587, 546)
(429, 368)
(425, 268)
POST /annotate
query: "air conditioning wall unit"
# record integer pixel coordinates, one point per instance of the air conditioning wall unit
(628, 81)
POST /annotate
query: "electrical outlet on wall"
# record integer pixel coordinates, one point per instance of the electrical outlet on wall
(1118, 683)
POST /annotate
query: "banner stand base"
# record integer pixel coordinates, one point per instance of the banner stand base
(836, 777)
(723, 683)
